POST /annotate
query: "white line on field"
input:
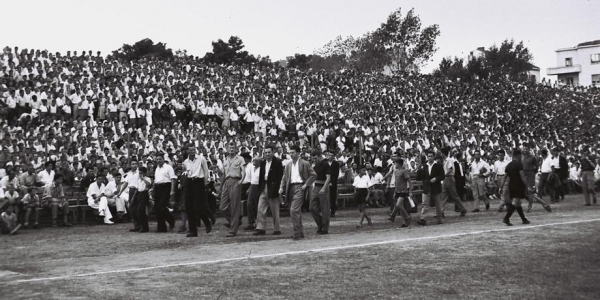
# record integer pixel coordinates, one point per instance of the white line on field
(206, 262)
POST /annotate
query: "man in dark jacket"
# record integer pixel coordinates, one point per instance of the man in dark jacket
(432, 187)
(271, 173)
(460, 178)
(335, 172)
(563, 173)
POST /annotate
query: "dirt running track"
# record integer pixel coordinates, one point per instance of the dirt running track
(109, 262)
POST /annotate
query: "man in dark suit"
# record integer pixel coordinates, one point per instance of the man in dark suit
(432, 187)
(459, 177)
(297, 177)
(269, 182)
(563, 173)
(335, 172)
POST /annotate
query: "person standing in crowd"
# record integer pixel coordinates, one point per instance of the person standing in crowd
(269, 181)
(253, 193)
(587, 177)
(459, 176)
(165, 187)
(391, 188)
(547, 166)
(233, 172)
(479, 171)
(362, 183)
(517, 188)
(403, 190)
(196, 172)
(499, 169)
(335, 173)
(131, 180)
(54, 199)
(450, 183)
(562, 172)
(249, 169)
(143, 187)
(319, 201)
(430, 171)
(297, 177)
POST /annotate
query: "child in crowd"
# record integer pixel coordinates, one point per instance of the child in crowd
(8, 222)
(31, 203)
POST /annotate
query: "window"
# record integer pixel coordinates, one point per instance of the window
(569, 62)
(596, 79)
(595, 58)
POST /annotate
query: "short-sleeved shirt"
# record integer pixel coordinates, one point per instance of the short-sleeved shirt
(516, 186)
(322, 169)
(233, 167)
(401, 178)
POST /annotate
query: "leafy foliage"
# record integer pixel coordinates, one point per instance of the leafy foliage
(230, 52)
(399, 45)
(509, 61)
(143, 49)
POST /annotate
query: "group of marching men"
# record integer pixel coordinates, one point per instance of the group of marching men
(268, 182)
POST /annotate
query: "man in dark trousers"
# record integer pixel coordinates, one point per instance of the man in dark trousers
(517, 188)
(460, 178)
(432, 187)
(334, 166)
(563, 173)
(165, 186)
(319, 200)
(196, 171)
(269, 181)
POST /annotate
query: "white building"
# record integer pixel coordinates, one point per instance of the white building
(579, 65)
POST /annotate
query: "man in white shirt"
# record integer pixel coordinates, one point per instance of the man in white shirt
(377, 183)
(165, 184)
(361, 184)
(46, 176)
(113, 191)
(548, 165)
(252, 193)
(480, 170)
(98, 200)
(499, 171)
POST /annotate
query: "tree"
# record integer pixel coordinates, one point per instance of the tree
(300, 61)
(142, 49)
(398, 45)
(407, 46)
(230, 52)
(509, 61)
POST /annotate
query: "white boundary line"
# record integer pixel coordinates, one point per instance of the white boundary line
(206, 262)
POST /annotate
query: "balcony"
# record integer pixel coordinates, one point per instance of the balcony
(564, 70)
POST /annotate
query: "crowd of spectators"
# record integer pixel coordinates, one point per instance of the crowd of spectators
(81, 113)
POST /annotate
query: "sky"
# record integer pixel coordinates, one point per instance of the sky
(281, 28)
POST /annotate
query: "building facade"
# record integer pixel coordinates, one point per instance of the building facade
(579, 65)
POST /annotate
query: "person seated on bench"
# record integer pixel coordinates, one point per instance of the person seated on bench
(114, 193)
(97, 198)
(54, 199)
(31, 203)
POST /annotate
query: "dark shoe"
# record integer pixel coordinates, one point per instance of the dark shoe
(36, 226)
(134, 230)
(249, 227)
(476, 210)
(404, 225)
(191, 234)
(507, 222)
(183, 230)
(594, 201)
(548, 208)
(322, 232)
(231, 234)
(422, 222)
(369, 222)
(487, 206)
(208, 228)
(500, 209)
(171, 226)
(161, 230)
(227, 225)
(276, 232)
(259, 232)
(143, 231)
(392, 219)
(297, 238)
(439, 223)
(54, 225)
(67, 224)
(526, 221)
(462, 214)
(213, 219)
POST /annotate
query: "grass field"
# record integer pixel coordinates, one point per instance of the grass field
(475, 257)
